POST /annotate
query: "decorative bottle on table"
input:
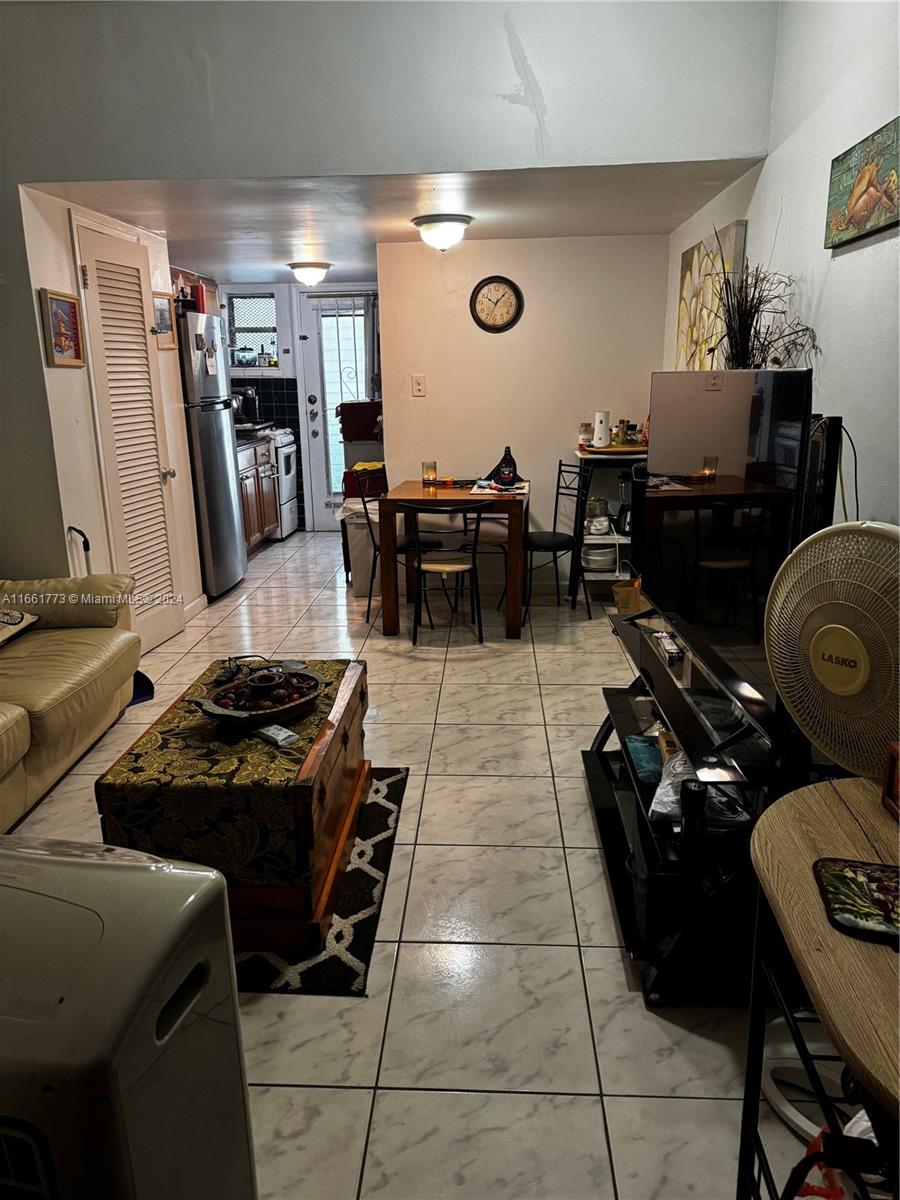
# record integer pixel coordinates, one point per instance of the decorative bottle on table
(506, 469)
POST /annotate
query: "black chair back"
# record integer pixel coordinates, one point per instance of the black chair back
(474, 509)
(372, 483)
(572, 483)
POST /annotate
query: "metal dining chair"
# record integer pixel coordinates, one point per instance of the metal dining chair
(733, 546)
(372, 483)
(571, 483)
(455, 564)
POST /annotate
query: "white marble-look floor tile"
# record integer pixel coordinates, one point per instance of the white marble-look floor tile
(660, 1052)
(68, 812)
(390, 919)
(259, 639)
(327, 642)
(471, 810)
(566, 743)
(514, 894)
(416, 666)
(587, 637)
(489, 750)
(402, 704)
(187, 670)
(157, 662)
(568, 667)
(508, 1018)
(332, 1040)
(573, 704)
(576, 813)
(492, 666)
(490, 704)
(594, 908)
(182, 642)
(410, 810)
(252, 615)
(165, 693)
(668, 1148)
(399, 746)
(104, 753)
(309, 1141)
(486, 1146)
(464, 636)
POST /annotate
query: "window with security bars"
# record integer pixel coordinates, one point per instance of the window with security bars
(344, 370)
(252, 329)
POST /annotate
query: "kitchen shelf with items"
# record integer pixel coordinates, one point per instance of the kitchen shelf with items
(606, 540)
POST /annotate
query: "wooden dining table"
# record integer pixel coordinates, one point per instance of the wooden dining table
(425, 496)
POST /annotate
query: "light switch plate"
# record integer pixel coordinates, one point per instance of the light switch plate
(714, 381)
(417, 385)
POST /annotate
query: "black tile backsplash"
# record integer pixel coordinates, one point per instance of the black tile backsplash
(278, 402)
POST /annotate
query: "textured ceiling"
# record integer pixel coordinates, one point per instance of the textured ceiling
(246, 230)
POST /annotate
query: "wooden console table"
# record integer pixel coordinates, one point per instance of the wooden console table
(852, 983)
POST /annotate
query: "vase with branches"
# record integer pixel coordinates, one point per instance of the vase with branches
(753, 307)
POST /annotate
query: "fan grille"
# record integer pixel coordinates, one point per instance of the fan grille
(846, 575)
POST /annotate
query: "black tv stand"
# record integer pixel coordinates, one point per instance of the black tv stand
(686, 918)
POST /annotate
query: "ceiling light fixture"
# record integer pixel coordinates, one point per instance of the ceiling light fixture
(309, 273)
(442, 230)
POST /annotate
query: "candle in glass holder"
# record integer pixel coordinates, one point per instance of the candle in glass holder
(710, 466)
(429, 472)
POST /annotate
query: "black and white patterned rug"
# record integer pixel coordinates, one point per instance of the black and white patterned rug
(342, 966)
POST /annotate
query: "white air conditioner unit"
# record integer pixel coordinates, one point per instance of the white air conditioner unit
(121, 1071)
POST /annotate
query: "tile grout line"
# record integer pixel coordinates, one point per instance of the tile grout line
(387, 1013)
(587, 1001)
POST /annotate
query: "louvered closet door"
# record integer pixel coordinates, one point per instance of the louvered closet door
(119, 308)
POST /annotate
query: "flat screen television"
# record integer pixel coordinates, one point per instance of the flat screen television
(756, 423)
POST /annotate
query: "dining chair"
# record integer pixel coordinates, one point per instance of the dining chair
(571, 483)
(455, 564)
(731, 546)
(372, 483)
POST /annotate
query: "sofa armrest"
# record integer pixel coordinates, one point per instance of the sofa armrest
(88, 601)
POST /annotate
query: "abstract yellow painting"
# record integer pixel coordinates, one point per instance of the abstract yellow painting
(699, 322)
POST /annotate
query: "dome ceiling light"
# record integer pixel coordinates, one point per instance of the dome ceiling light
(442, 230)
(309, 273)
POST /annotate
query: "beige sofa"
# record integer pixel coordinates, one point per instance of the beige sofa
(63, 682)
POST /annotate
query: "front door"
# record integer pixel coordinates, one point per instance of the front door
(119, 315)
(335, 371)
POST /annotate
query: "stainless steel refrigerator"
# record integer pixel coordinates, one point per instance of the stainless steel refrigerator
(210, 425)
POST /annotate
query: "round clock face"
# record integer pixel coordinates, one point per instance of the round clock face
(496, 304)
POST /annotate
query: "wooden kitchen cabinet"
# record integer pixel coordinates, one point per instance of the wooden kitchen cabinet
(268, 496)
(250, 504)
(259, 493)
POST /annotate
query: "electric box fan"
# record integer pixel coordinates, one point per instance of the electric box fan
(832, 641)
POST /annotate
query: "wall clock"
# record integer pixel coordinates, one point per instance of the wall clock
(496, 304)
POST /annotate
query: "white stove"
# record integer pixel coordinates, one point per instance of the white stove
(286, 461)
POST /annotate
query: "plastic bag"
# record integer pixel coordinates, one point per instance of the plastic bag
(667, 798)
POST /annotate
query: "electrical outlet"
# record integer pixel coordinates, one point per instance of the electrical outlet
(417, 385)
(714, 381)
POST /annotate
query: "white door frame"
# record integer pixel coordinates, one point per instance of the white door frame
(320, 515)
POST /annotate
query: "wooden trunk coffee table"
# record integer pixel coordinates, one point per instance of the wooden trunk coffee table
(278, 823)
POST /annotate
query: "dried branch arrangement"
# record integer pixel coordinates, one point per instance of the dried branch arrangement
(753, 305)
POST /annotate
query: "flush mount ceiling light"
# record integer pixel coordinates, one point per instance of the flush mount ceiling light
(442, 230)
(309, 273)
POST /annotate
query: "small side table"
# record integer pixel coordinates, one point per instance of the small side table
(852, 983)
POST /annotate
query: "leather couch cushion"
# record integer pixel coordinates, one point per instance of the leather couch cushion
(61, 677)
(96, 603)
(15, 736)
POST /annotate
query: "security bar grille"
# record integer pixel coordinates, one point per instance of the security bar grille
(344, 370)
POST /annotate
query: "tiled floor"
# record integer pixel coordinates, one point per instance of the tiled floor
(503, 1050)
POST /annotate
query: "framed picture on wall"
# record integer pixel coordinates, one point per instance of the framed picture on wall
(164, 321)
(863, 188)
(63, 331)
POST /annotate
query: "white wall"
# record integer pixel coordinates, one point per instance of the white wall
(835, 82)
(589, 338)
(76, 475)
